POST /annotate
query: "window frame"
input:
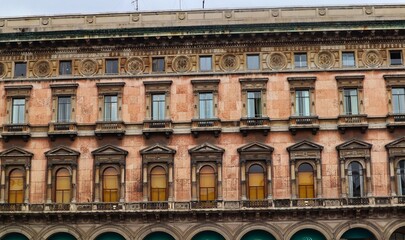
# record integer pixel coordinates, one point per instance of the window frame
(302, 84)
(253, 85)
(201, 87)
(18, 65)
(109, 70)
(350, 82)
(200, 68)
(343, 65)
(103, 189)
(61, 70)
(157, 87)
(110, 89)
(247, 56)
(159, 64)
(401, 59)
(17, 92)
(300, 65)
(63, 90)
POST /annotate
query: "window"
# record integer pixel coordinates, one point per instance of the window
(110, 108)
(20, 69)
(302, 106)
(18, 111)
(348, 59)
(158, 184)
(65, 67)
(158, 106)
(254, 104)
(207, 184)
(306, 181)
(205, 63)
(395, 57)
(16, 186)
(300, 60)
(398, 100)
(355, 175)
(206, 106)
(350, 104)
(111, 66)
(158, 64)
(64, 109)
(253, 62)
(110, 185)
(401, 177)
(256, 182)
(63, 186)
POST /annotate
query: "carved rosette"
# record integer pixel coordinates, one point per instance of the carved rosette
(325, 60)
(277, 61)
(372, 58)
(181, 64)
(3, 69)
(229, 62)
(42, 69)
(134, 66)
(88, 67)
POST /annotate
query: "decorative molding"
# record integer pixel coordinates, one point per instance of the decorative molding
(42, 68)
(88, 67)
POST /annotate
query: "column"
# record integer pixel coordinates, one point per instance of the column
(49, 185)
(368, 177)
(219, 172)
(97, 183)
(3, 184)
(27, 184)
(122, 188)
(392, 176)
(318, 178)
(269, 180)
(193, 181)
(343, 178)
(243, 179)
(145, 182)
(170, 197)
(74, 176)
(293, 181)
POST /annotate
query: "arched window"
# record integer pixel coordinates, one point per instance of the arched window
(63, 186)
(306, 181)
(401, 177)
(256, 182)
(16, 188)
(110, 185)
(207, 184)
(355, 174)
(158, 185)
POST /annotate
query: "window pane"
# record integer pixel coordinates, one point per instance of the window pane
(253, 62)
(18, 111)
(158, 65)
(205, 63)
(355, 179)
(16, 187)
(306, 181)
(20, 69)
(300, 60)
(110, 185)
(63, 186)
(111, 66)
(64, 109)
(254, 108)
(348, 59)
(401, 177)
(207, 184)
(158, 107)
(302, 103)
(110, 108)
(256, 182)
(206, 105)
(398, 100)
(65, 67)
(350, 103)
(396, 57)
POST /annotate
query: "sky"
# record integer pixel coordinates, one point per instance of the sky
(57, 7)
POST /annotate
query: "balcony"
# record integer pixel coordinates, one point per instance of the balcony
(211, 125)
(395, 120)
(204, 205)
(256, 204)
(157, 127)
(259, 124)
(155, 205)
(304, 123)
(352, 121)
(104, 128)
(16, 131)
(62, 129)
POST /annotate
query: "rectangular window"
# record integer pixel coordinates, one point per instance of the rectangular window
(254, 103)
(300, 60)
(18, 111)
(348, 59)
(350, 103)
(302, 103)
(20, 69)
(65, 67)
(398, 100)
(206, 105)
(253, 62)
(158, 64)
(111, 66)
(110, 108)
(396, 57)
(64, 109)
(158, 106)
(205, 63)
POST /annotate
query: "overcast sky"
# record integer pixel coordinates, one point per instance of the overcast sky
(54, 7)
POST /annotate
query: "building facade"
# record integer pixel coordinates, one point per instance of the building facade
(211, 124)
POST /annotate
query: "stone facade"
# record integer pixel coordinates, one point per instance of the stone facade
(133, 88)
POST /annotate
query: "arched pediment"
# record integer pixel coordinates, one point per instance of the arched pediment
(255, 147)
(15, 152)
(109, 150)
(206, 148)
(157, 149)
(305, 145)
(62, 151)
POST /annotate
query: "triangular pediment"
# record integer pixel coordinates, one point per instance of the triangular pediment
(62, 151)
(206, 148)
(305, 145)
(399, 143)
(158, 149)
(255, 147)
(16, 152)
(109, 150)
(354, 144)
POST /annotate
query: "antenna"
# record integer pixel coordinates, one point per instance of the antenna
(180, 4)
(203, 3)
(136, 4)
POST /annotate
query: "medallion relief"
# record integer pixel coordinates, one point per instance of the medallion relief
(229, 62)
(277, 61)
(134, 66)
(325, 60)
(372, 58)
(181, 64)
(3, 69)
(88, 67)
(42, 69)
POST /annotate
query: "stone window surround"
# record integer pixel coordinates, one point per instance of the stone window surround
(355, 151)
(154, 156)
(118, 65)
(302, 83)
(18, 91)
(392, 81)
(253, 54)
(107, 89)
(396, 153)
(310, 153)
(256, 154)
(400, 50)
(205, 86)
(253, 84)
(350, 82)
(157, 87)
(64, 90)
